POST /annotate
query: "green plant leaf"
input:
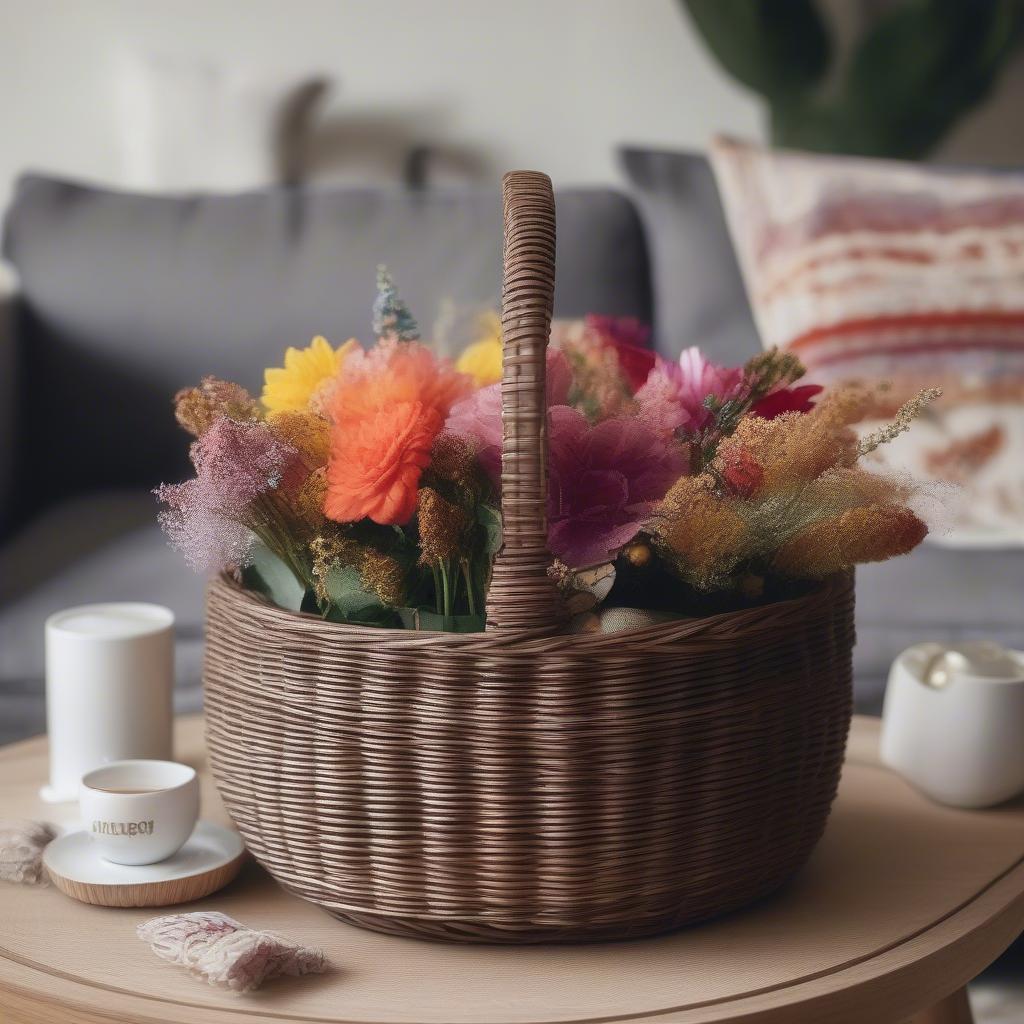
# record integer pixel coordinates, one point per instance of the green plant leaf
(419, 618)
(918, 67)
(345, 590)
(922, 66)
(267, 574)
(370, 615)
(351, 602)
(490, 519)
(775, 47)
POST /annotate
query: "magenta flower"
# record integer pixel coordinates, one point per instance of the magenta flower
(604, 481)
(235, 463)
(673, 396)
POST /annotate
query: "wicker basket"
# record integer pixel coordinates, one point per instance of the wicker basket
(519, 785)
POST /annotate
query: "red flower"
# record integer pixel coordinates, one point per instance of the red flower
(798, 399)
(631, 340)
(741, 472)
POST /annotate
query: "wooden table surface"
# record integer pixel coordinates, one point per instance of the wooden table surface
(902, 904)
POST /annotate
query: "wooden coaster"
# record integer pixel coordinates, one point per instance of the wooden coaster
(208, 861)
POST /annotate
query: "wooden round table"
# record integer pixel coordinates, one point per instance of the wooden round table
(902, 904)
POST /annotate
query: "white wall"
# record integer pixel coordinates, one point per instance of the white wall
(552, 84)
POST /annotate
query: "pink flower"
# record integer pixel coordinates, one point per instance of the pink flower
(674, 396)
(604, 481)
(206, 537)
(235, 463)
(477, 419)
(658, 402)
(790, 399)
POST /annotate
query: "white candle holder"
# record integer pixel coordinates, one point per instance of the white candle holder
(109, 690)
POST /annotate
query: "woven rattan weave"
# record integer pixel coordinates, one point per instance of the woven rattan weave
(520, 785)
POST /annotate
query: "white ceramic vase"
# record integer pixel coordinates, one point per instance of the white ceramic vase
(953, 722)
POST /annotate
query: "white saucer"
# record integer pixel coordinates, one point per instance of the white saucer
(209, 860)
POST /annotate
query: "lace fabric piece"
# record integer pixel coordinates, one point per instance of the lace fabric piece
(21, 851)
(225, 952)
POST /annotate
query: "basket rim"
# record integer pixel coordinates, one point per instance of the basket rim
(815, 603)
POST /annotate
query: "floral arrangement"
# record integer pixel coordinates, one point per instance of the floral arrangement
(363, 484)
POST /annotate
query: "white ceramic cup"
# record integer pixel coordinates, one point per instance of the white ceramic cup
(109, 689)
(139, 812)
(953, 722)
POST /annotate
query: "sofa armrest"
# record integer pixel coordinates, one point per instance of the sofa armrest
(10, 395)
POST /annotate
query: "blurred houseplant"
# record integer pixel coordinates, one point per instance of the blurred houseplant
(917, 69)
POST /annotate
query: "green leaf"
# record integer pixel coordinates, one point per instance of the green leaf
(345, 590)
(267, 574)
(419, 618)
(777, 48)
(916, 69)
(351, 602)
(370, 615)
(490, 519)
(922, 66)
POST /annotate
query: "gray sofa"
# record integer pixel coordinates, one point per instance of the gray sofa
(122, 299)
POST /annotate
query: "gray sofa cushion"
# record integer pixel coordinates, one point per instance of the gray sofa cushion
(126, 298)
(699, 296)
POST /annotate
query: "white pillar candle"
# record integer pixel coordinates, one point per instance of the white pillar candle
(109, 689)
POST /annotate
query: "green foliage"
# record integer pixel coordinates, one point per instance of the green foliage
(267, 574)
(490, 519)
(918, 68)
(350, 602)
(420, 618)
(345, 589)
(778, 48)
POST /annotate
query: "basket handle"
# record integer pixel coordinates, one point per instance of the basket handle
(522, 595)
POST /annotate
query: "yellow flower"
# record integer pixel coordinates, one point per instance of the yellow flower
(290, 389)
(482, 359)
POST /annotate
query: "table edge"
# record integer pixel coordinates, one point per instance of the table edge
(902, 979)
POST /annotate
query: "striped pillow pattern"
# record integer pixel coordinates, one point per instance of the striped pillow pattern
(879, 270)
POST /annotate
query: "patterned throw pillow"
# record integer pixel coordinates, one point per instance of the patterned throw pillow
(873, 269)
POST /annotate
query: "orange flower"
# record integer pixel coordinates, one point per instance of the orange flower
(387, 409)
(375, 468)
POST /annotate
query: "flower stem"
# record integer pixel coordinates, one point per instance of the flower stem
(437, 587)
(446, 589)
(464, 562)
